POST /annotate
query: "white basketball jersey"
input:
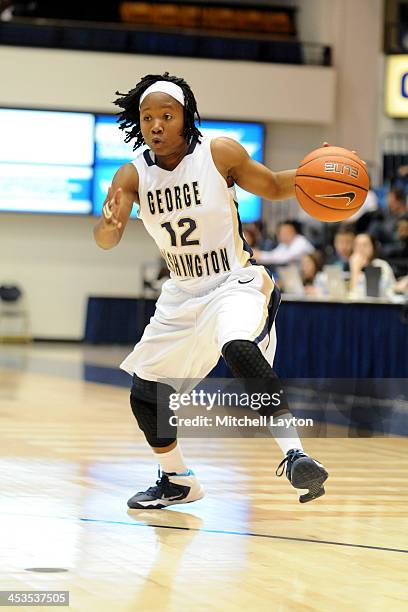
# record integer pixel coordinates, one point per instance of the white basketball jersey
(192, 215)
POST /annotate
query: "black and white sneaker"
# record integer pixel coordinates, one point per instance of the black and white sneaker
(303, 472)
(171, 488)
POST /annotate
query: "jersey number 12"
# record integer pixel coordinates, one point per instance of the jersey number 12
(184, 236)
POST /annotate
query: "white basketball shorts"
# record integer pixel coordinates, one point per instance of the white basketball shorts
(185, 336)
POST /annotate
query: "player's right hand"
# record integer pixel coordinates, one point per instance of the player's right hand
(111, 208)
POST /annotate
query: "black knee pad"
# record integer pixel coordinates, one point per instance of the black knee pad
(245, 360)
(143, 401)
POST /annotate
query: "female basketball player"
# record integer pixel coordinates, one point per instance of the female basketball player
(217, 301)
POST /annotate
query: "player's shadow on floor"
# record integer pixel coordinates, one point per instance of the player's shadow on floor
(175, 531)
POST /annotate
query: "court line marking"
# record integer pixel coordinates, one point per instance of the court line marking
(248, 534)
(205, 530)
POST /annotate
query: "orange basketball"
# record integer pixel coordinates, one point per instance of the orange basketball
(331, 183)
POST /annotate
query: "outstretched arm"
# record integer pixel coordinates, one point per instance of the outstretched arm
(117, 207)
(234, 163)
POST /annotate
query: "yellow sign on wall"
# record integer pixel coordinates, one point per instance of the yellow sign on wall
(396, 86)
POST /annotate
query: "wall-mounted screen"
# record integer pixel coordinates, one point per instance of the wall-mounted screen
(46, 161)
(111, 151)
(251, 136)
(63, 162)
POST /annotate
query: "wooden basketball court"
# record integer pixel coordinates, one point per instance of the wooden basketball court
(71, 455)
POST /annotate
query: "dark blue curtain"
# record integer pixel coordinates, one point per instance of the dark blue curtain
(341, 340)
(315, 340)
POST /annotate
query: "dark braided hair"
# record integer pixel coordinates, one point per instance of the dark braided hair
(129, 117)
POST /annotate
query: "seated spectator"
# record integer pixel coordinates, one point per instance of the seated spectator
(384, 229)
(400, 248)
(364, 255)
(310, 265)
(311, 272)
(315, 231)
(343, 247)
(292, 245)
(366, 214)
(256, 236)
(398, 254)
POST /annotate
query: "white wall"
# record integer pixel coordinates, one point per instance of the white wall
(54, 258)
(230, 89)
(356, 34)
(56, 261)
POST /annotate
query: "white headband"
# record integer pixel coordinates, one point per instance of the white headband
(166, 87)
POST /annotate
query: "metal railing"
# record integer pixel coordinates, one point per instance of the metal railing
(123, 38)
